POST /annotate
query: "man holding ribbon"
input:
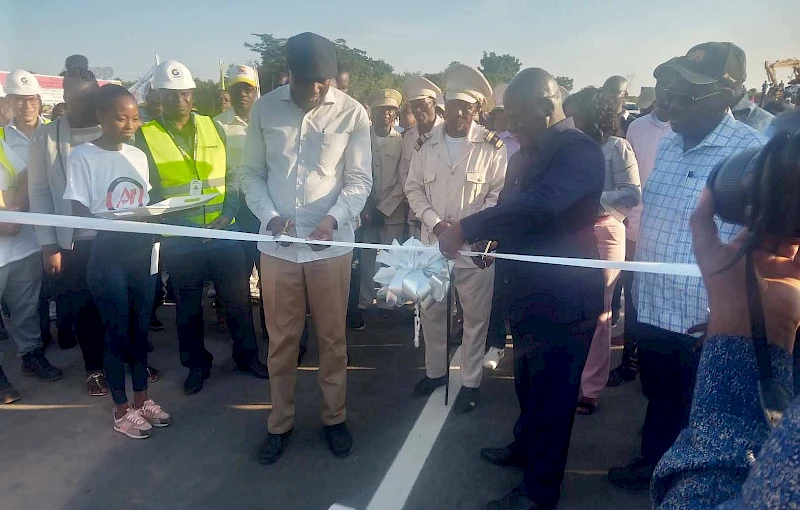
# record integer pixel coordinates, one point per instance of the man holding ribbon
(457, 171)
(307, 172)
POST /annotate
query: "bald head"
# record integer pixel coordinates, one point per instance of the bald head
(533, 104)
(616, 84)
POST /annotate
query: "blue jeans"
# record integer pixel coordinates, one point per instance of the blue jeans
(118, 275)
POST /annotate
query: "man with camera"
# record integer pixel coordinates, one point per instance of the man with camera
(739, 449)
(673, 310)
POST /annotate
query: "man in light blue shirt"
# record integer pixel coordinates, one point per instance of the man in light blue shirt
(673, 308)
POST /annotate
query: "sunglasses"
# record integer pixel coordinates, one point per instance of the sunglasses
(683, 99)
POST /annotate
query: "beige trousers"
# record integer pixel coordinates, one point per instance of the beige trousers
(475, 287)
(383, 235)
(286, 286)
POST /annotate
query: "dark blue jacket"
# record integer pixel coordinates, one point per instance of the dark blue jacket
(552, 213)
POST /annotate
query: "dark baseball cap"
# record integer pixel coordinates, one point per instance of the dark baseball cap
(309, 55)
(708, 63)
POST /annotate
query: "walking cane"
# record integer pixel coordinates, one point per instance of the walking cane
(449, 326)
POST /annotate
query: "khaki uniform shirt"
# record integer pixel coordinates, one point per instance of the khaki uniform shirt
(387, 187)
(440, 191)
(410, 138)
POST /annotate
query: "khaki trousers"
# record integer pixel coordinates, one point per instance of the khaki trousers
(383, 235)
(475, 288)
(286, 286)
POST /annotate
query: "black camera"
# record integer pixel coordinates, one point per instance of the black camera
(760, 187)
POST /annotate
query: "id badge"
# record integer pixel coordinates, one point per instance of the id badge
(195, 188)
(154, 256)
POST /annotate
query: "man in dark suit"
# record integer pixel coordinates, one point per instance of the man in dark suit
(552, 310)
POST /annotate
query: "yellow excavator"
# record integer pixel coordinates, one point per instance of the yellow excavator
(776, 91)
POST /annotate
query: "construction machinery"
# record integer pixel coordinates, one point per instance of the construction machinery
(777, 89)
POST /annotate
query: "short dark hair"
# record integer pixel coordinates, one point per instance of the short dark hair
(108, 94)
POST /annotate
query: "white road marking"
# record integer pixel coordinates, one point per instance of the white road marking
(399, 480)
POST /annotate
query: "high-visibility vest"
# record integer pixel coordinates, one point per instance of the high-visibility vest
(177, 170)
(3, 129)
(5, 162)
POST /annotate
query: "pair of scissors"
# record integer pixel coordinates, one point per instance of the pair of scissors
(283, 233)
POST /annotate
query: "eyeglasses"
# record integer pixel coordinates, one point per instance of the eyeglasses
(21, 101)
(683, 99)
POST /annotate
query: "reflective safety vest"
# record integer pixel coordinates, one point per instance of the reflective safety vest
(178, 170)
(6, 163)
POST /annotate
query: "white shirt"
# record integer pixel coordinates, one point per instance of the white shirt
(305, 166)
(454, 147)
(18, 141)
(24, 244)
(644, 134)
(106, 180)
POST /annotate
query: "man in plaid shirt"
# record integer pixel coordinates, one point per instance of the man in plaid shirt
(674, 308)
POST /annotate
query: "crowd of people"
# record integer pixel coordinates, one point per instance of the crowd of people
(523, 168)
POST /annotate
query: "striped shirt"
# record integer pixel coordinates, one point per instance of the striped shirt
(676, 303)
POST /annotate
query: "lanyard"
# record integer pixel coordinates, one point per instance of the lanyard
(189, 159)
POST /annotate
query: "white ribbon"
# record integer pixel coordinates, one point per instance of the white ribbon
(52, 220)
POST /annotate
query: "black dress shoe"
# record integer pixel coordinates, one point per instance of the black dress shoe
(517, 500)
(254, 368)
(427, 385)
(466, 400)
(272, 447)
(34, 363)
(507, 456)
(634, 477)
(355, 320)
(621, 375)
(339, 439)
(194, 381)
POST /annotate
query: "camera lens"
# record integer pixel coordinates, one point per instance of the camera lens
(732, 184)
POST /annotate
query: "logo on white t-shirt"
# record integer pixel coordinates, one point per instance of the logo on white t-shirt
(124, 193)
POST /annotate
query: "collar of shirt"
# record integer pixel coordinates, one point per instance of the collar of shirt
(718, 137)
(654, 120)
(230, 118)
(185, 136)
(286, 95)
(14, 129)
(544, 138)
(473, 135)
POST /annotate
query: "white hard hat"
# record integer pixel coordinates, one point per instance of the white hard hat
(172, 75)
(22, 83)
(241, 74)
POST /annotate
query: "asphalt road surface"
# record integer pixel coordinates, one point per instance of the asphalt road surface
(59, 450)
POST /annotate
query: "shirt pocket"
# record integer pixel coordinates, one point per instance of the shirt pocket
(476, 181)
(330, 147)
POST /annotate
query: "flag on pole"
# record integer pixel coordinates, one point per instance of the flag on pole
(143, 84)
(221, 75)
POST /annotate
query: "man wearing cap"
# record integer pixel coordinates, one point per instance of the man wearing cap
(672, 310)
(386, 213)
(458, 170)
(499, 121)
(307, 172)
(65, 251)
(422, 96)
(187, 156)
(742, 108)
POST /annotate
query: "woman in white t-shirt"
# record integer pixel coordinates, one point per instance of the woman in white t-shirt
(102, 176)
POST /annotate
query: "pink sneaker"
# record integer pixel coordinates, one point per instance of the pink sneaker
(154, 415)
(132, 424)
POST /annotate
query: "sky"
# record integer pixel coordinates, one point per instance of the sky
(587, 40)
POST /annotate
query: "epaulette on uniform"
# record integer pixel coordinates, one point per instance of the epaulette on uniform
(493, 139)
